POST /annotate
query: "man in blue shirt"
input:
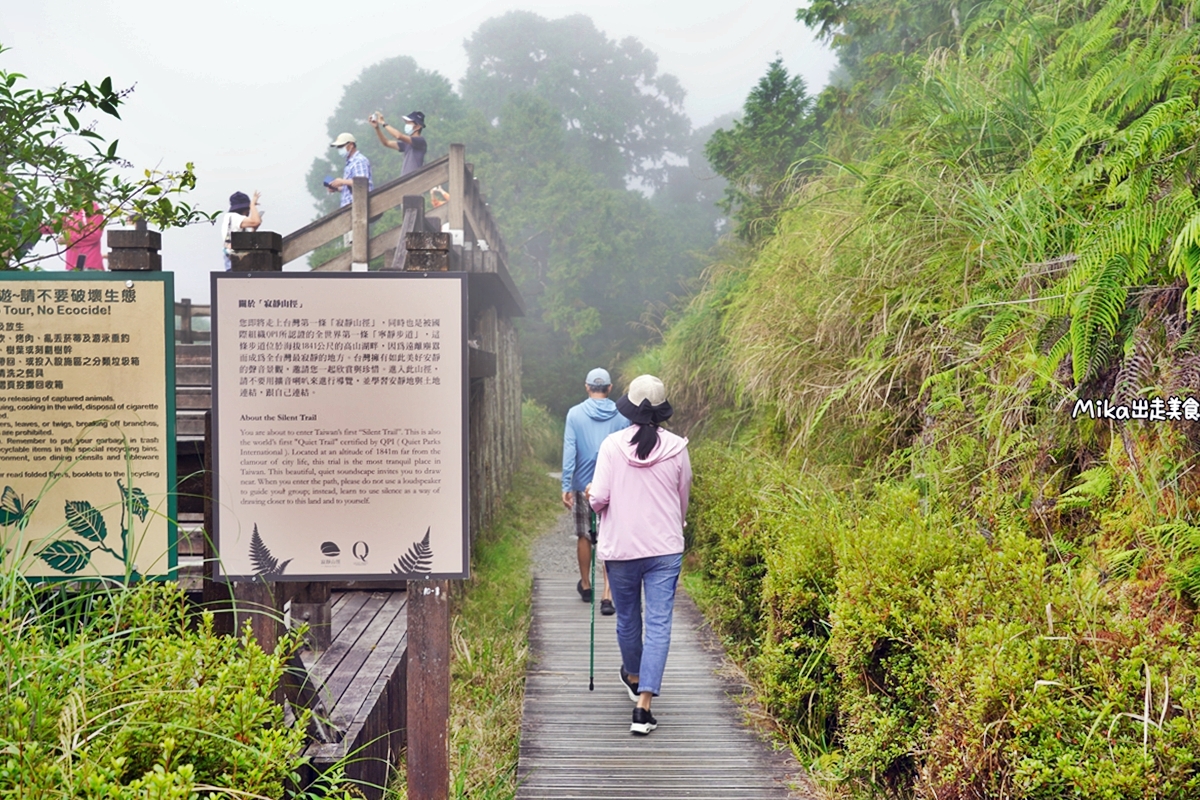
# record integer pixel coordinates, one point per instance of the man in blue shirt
(588, 424)
(357, 166)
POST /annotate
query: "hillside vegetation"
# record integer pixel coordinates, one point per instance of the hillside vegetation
(947, 578)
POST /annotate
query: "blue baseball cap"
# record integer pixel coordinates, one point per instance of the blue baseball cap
(599, 378)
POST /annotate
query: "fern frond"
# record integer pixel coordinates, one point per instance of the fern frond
(261, 558)
(998, 330)
(1098, 310)
(418, 560)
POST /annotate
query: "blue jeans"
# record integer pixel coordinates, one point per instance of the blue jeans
(658, 575)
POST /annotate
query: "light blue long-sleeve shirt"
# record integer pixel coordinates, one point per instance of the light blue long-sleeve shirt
(588, 424)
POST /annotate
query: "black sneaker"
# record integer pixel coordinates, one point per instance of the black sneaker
(643, 722)
(584, 594)
(630, 686)
(607, 608)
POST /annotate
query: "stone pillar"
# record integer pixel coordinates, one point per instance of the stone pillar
(427, 252)
(134, 251)
(256, 251)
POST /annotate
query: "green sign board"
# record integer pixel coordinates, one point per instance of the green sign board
(87, 424)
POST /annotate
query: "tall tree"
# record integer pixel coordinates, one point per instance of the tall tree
(557, 119)
(589, 258)
(871, 35)
(762, 151)
(394, 86)
(616, 108)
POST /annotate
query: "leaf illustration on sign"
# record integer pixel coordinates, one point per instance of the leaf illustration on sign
(260, 557)
(86, 521)
(13, 508)
(417, 561)
(136, 499)
(66, 556)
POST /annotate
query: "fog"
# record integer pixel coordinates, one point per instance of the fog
(244, 90)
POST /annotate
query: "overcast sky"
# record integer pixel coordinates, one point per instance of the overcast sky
(244, 89)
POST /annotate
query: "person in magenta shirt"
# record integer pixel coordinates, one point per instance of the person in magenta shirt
(640, 490)
(82, 233)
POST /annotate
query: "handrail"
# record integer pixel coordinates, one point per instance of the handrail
(337, 223)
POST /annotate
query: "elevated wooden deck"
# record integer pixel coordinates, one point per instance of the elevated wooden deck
(360, 679)
(577, 744)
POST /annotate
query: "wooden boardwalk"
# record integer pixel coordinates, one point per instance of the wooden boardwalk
(360, 679)
(576, 743)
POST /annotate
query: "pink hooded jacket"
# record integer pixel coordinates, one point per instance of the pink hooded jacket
(641, 504)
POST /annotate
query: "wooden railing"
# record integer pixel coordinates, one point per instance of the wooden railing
(466, 211)
(192, 322)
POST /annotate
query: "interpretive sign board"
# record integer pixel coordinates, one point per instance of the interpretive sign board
(87, 424)
(340, 425)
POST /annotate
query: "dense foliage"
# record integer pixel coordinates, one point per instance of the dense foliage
(116, 693)
(948, 583)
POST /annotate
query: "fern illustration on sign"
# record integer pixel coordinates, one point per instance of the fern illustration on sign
(417, 561)
(70, 556)
(264, 563)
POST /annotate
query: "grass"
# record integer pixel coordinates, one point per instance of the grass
(490, 637)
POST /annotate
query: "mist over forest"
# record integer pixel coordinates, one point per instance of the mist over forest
(593, 171)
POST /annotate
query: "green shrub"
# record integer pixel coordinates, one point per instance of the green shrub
(726, 533)
(887, 627)
(113, 693)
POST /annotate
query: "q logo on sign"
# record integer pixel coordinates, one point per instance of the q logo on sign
(360, 551)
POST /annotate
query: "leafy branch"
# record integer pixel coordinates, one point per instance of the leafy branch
(53, 164)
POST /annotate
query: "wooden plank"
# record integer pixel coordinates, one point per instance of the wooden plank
(389, 646)
(344, 610)
(193, 353)
(342, 644)
(189, 424)
(370, 709)
(304, 240)
(369, 639)
(193, 397)
(379, 244)
(193, 375)
(391, 194)
(700, 749)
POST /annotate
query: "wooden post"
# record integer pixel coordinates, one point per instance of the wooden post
(311, 603)
(360, 213)
(458, 190)
(427, 252)
(428, 690)
(185, 321)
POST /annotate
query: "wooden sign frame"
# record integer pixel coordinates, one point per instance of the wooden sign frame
(348, 542)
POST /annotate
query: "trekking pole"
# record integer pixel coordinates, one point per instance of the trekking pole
(594, 530)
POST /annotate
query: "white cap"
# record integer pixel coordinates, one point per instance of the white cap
(647, 387)
(343, 139)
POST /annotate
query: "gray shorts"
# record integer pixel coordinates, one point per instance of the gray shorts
(582, 514)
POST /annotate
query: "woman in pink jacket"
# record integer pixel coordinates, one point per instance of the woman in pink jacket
(640, 490)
